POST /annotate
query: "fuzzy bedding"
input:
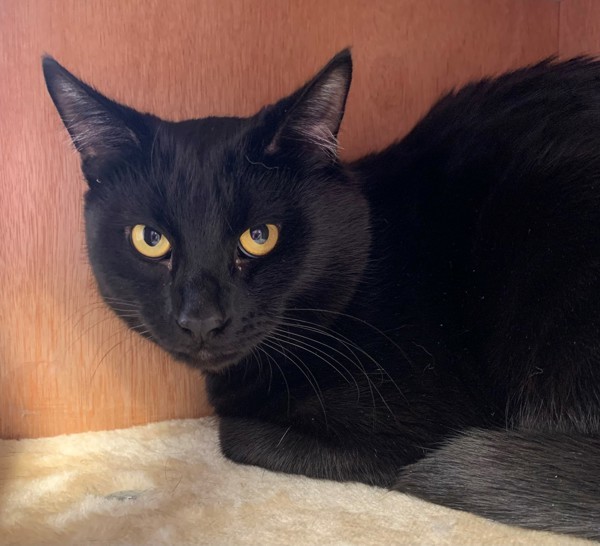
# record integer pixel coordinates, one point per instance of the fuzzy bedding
(166, 483)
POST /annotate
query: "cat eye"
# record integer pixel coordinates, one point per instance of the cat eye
(149, 242)
(259, 240)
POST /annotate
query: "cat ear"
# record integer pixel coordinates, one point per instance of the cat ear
(309, 120)
(101, 130)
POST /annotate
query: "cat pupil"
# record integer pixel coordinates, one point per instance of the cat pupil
(260, 234)
(151, 237)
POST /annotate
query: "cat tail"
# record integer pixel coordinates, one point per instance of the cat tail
(540, 480)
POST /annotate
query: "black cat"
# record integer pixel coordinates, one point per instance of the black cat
(425, 319)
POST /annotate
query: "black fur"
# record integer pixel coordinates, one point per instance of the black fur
(429, 319)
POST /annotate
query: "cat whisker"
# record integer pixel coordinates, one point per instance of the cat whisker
(308, 341)
(116, 302)
(301, 367)
(135, 328)
(340, 338)
(91, 307)
(92, 304)
(119, 343)
(272, 360)
(144, 331)
(305, 346)
(374, 328)
(361, 321)
(98, 307)
(254, 355)
(112, 298)
(357, 363)
(258, 357)
(154, 139)
(85, 331)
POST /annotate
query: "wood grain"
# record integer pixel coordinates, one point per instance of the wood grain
(579, 28)
(65, 363)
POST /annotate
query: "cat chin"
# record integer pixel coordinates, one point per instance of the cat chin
(208, 361)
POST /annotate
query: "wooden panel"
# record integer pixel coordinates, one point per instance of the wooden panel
(65, 363)
(579, 28)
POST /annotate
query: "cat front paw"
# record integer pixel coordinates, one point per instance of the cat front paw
(233, 442)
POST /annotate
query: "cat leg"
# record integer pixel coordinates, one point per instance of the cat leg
(285, 449)
(540, 480)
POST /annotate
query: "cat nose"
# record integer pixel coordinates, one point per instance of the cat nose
(202, 327)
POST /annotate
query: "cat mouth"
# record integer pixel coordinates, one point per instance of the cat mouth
(210, 360)
(218, 357)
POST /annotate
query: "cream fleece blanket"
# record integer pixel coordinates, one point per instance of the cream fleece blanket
(167, 484)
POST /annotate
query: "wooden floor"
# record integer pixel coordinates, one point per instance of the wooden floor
(65, 363)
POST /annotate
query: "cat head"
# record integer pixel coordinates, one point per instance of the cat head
(204, 235)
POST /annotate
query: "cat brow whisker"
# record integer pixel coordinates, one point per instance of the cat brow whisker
(275, 167)
(154, 139)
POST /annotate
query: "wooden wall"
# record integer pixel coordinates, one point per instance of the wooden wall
(65, 363)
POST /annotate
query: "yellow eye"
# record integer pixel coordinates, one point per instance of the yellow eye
(149, 242)
(259, 240)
